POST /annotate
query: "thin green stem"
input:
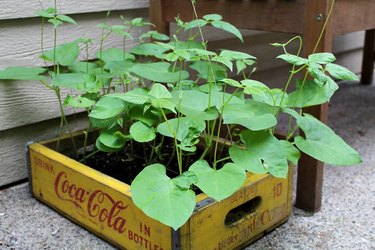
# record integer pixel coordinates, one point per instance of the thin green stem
(179, 157)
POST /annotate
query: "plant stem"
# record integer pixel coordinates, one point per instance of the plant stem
(179, 157)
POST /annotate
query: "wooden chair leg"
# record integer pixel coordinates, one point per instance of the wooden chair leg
(368, 57)
(156, 16)
(310, 171)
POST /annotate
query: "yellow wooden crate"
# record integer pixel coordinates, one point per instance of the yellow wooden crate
(103, 205)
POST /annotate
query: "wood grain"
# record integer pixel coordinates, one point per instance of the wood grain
(10, 9)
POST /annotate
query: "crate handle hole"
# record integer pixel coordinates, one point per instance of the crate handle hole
(236, 214)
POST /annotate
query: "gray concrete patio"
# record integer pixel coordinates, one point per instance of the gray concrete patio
(346, 220)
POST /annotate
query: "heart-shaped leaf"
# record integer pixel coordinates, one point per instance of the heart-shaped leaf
(66, 54)
(108, 107)
(160, 198)
(115, 54)
(323, 144)
(262, 153)
(307, 94)
(158, 72)
(218, 184)
(245, 115)
(135, 96)
(142, 132)
(110, 140)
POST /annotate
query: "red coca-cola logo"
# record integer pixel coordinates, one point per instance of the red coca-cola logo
(100, 205)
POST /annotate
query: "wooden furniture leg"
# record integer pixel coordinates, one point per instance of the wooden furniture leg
(156, 17)
(310, 171)
(368, 57)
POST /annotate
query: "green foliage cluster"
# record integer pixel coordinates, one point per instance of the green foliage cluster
(179, 90)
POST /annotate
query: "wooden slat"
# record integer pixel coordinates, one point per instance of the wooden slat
(281, 16)
(13, 145)
(11, 9)
(310, 170)
(20, 39)
(350, 16)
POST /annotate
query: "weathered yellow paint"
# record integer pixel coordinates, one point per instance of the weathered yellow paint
(99, 203)
(103, 205)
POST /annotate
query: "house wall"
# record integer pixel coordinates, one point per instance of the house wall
(29, 112)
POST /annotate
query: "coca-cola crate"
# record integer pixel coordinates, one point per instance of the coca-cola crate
(103, 205)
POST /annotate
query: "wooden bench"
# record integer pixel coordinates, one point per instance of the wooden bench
(305, 17)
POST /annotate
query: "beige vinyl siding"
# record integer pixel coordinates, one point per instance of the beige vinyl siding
(28, 111)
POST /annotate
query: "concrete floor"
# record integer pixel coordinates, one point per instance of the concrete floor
(346, 221)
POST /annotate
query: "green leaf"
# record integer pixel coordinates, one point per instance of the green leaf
(66, 19)
(163, 104)
(135, 96)
(218, 184)
(119, 67)
(330, 87)
(306, 95)
(240, 65)
(247, 160)
(323, 144)
(219, 99)
(112, 140)
(223, 60)
(185, 180)
(148, 117)
(262, 153)
(142, 132)
(293, 59)
(78, 102)
(83, 67)
(255, 88)
(292, 153)
(232, 82)
(209, 71)
(160, 198)
(189, 44)
(271, 97)
(180, 127)
(317, 72)
(236, 55)
(55, 22)
(341, 73)
(194, 103)
(227, 27)
(76, 81)
(148, 49)
(159, 91)
(66, 54)
(22, 73)
(243, 114)
(154, 35)
(212, 17)
(108, 107)
(159, 72)
(194, 24)
(115, 54)
(322, 58)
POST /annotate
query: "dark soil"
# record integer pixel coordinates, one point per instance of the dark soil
(127, 163)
